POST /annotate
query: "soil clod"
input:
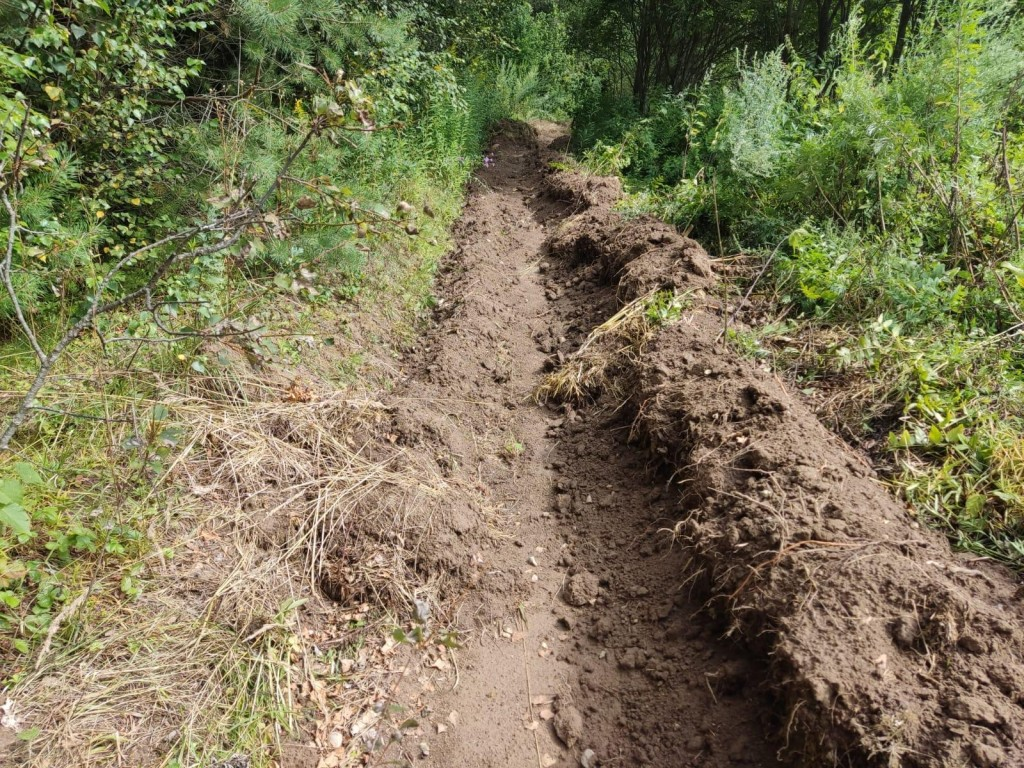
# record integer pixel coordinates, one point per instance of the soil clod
(581, 589)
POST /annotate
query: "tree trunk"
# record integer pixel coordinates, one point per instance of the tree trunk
(825, 17)
(906, 16)
(644, 41)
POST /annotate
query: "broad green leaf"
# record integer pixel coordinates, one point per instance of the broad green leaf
(975, 504)
(11, 492)
(28, 473)
(16, 518)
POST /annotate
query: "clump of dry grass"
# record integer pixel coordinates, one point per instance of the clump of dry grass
(234, 635)
(607, 359)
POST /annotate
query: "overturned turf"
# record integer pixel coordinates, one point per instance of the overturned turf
(885, 647)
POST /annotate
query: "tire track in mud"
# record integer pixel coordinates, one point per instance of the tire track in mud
(580, 641)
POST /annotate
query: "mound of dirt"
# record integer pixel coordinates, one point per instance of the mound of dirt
(583, 191)
(885, 647)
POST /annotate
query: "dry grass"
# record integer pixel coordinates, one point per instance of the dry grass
(233, 641)
(607, 358)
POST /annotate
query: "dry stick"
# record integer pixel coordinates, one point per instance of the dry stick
(753, 285)
(5, 268)
(1007, 180)
(58, 621)
(718, 224)
(84, 322)
(5, 274)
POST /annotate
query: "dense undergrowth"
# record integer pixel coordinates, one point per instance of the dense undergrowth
(197, 197)
(882, 201)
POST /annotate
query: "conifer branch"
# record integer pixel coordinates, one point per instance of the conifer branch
(230, 228)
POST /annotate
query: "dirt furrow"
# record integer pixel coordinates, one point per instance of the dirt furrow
(580, 641)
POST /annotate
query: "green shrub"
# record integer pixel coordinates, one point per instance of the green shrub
(878, 193)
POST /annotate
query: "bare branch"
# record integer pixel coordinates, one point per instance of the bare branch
(12, 235)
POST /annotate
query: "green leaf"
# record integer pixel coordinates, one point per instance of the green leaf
(975, 504)
(11, 492)
(16, 518)
(28, 734)
(28, 473)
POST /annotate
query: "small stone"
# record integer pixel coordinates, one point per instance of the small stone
(531, 560)
(424, 749)
(336, 739)
(588, 759)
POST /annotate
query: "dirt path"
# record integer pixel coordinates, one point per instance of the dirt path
(578, 632)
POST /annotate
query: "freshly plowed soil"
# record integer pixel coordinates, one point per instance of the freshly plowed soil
(694, 572)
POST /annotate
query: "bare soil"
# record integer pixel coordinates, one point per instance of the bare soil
(693, 573)
(578, 628)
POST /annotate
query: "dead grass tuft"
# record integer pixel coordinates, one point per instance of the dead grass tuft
(608, 358)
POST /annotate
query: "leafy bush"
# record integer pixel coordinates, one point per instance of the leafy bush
(880, 193)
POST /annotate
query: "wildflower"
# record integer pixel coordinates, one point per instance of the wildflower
(488, 161)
